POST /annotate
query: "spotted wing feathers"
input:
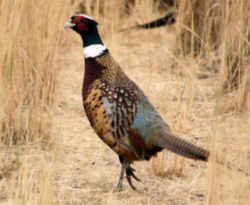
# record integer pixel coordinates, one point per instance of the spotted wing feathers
(111, 112)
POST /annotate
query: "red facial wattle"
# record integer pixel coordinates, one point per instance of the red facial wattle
(82, 26)
(81, 23)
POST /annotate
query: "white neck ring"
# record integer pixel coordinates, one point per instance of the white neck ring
(94, 50)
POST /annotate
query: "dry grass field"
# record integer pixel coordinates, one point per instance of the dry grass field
(49, 154)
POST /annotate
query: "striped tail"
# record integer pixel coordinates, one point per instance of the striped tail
(179, 146)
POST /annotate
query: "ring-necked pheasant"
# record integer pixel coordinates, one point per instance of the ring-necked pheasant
(118, 110)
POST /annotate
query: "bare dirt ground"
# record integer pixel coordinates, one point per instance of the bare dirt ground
(81, 169)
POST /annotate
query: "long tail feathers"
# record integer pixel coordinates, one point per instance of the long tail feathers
(179, 146)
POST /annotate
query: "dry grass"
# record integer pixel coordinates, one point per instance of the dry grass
(220, 31)
(40, 101)
(30, 37)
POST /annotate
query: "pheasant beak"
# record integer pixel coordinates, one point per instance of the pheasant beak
(69, 24)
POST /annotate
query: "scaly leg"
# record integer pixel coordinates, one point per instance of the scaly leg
(119, 185)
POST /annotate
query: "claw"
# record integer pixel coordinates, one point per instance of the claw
(130, 171)
(130, 182)
(129, 174)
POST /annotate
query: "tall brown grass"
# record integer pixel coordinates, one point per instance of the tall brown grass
(219, 30)
(29, 39)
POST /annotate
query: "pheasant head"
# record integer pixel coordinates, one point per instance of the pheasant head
(86, 27)
(81, 23)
